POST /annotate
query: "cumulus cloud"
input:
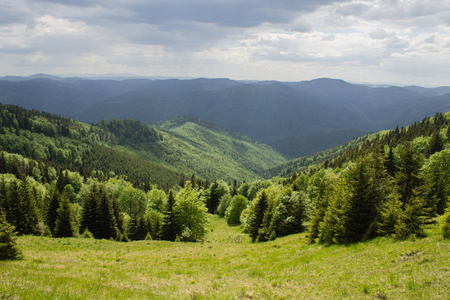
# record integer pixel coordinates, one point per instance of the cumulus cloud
(252, 39)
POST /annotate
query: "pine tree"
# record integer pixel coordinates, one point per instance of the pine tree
(8, 246)
(106, 221)
(259, 207)
(321, 203)
(29, 214)
(4, 203)
(64, 222)
(389, 214)
(411, 219)
(407, 178)
(52, 209)
(170, 228)
(90, 213)
(436, 143)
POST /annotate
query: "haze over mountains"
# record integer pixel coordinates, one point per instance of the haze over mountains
(295, 118)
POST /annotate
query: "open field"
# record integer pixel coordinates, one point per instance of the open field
(227, 266)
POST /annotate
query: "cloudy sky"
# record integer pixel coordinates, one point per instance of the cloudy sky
(380, 41)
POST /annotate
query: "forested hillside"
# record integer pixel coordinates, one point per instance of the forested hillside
(65, 178)
(295, 118)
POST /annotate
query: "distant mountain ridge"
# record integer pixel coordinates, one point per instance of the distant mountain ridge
(268, 111)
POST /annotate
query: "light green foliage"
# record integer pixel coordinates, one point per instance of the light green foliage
(191, 213)
(132, 201)
(437, 171)
(320, 187)
(256, 187)
(156, 200)
(410, 219)
(224, 203)
(234, 210)
(445, 224)
(192, 145)
(389, 214)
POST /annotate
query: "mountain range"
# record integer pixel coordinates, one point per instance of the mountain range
(295, 118)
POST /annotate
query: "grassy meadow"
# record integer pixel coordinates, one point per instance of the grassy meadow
(228, 266)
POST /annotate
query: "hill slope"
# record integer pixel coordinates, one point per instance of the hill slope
(193, 146)
(185, 145)
(227, 267)
(270, 112)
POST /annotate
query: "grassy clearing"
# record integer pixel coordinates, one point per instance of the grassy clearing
(227, 266)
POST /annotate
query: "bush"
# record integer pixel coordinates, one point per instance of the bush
(445, 224)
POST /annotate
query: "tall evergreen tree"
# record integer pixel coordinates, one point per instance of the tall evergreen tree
(13, 213)
(106, 221)
(8, 246)
(170, 228)
(90, 212)
(407, 177)
(436, 143)
(321, 203)
(259, 207)
(52, 209)
(4, 203)
(29, 214)
(64, 222)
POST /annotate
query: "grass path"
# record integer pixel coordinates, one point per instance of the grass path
(227, 266)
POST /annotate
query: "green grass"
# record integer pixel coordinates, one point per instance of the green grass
(227, 266)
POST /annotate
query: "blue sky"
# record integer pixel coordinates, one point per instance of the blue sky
(381, 41)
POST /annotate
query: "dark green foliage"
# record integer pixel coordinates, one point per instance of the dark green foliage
(288, 216)
(52, 209)
(107, 227)
(28, 211)
(90, 212)
(255, 226)
(64, 222)
(130, 131)
(9, 249)
(213, 201)
(170, 226)
(407, 177)
(436, 143)
(390, 163)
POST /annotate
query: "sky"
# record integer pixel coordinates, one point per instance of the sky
(381, 41)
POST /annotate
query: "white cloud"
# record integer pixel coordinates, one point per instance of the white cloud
(255, 39)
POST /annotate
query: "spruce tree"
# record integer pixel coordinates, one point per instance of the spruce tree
(29, 214)
(8, 246)
(321, 203)
(90, 213)
(170, 228)
(4, 203)
(64, 222)
(389, 214)
(436, 143)
(407, 177)
(411, 219)
(259, 207)
(52, 209)
(106, 221)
